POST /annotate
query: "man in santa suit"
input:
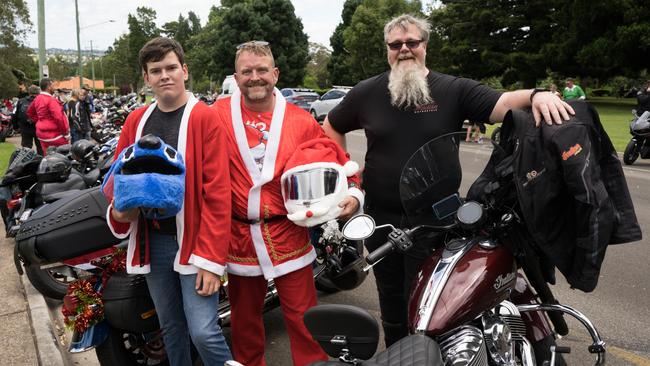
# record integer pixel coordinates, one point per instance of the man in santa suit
(263, 132)
(184, 255)
(52, 127)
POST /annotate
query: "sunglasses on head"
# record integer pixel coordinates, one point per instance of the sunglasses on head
(252, 44)
(410, 44)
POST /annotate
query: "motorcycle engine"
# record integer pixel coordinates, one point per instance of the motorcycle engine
(502, 340)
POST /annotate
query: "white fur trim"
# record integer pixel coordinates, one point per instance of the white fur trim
(207, 265)
(108, 222)
(137, 269)
(268, 167)
(358, 194)
(244, 270)
(350, 168)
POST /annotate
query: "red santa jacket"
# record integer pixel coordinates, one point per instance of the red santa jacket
(203, 224)
(47, 113)
(261, 246)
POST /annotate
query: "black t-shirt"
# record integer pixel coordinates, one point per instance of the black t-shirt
(395, 134)
(165, 125)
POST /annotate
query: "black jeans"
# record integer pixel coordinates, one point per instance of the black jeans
(394, 274)
(29, 138)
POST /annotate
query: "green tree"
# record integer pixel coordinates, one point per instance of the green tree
(60, 68)
(339, 63)
(116, 63)
(319, 57)
(142, 28)
(271, 20)
(484, 38)
(364, 38)
(620, 44)
(14, 56)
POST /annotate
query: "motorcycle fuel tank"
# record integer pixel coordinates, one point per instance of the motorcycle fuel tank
(458, 283)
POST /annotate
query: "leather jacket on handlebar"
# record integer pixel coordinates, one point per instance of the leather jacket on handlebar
(571, 190)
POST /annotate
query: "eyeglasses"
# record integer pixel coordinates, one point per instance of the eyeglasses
(252, 44)
(410, 44)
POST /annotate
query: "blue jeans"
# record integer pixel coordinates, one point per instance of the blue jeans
(181, 311)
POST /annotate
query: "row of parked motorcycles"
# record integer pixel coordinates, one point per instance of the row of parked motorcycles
(479, 299)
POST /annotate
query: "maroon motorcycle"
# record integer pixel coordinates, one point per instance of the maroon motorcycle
(481, 298)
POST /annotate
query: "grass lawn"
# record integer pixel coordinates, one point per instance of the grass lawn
(6, 148)
(615, 114)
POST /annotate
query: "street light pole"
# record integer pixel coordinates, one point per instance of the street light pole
(41, 38)
(76, 9)
(92, 64)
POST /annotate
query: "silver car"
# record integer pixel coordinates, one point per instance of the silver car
(321, 107)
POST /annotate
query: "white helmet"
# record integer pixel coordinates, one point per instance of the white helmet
(314, 182)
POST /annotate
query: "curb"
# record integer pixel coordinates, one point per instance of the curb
(45, 339)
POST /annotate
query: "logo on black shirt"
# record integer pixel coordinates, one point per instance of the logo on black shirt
(426, 108)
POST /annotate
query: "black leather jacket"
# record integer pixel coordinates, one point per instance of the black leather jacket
(571, 190)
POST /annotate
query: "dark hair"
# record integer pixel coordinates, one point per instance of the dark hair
(157, 48)
(45, 83)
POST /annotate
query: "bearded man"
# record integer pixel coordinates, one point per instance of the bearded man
(400, 110)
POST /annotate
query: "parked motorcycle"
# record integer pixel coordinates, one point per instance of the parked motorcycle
(41, 181)
(72, 234)
(472, 303)
(639, 145)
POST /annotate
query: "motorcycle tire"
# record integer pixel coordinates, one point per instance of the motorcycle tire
(542, 351)
(124, 348)
(46, 281)
(3, 134)
(631, 153)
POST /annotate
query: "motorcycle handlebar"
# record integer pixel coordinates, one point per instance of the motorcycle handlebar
(379, 253)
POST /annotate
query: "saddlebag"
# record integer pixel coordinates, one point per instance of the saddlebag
(128, 304)
(336, 327)
(72, 226)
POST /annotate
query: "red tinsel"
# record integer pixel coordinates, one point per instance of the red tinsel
(82, 305)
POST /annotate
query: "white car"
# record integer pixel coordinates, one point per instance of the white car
(323, 105)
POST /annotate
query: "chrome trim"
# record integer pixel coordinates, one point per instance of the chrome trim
(464, 341)
(597, 347)
(526, 352)
(437, 282)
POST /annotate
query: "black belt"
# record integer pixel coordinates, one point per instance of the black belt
(257, 221)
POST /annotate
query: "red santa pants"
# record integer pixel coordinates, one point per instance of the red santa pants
(57, 142)
(297, 294)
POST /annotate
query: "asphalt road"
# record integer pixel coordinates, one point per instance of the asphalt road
(619, 307)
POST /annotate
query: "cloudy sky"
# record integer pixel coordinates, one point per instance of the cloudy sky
(319, 18)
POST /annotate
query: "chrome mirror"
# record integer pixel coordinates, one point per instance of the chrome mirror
(359, 227)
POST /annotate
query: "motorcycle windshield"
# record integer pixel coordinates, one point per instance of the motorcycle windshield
(437, 177)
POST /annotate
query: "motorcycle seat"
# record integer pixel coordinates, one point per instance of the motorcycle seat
(414, 350)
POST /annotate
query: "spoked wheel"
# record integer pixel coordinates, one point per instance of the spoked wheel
(50, 282)
(631, 153)
(127, 348)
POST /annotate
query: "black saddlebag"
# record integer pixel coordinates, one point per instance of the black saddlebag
(128, 304)
(72, 226)
(336, 327)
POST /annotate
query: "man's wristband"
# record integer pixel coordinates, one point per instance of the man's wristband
(535, 91)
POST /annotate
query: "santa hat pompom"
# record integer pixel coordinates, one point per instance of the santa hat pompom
(350, 168)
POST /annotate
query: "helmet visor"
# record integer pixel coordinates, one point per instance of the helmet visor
(310, 185)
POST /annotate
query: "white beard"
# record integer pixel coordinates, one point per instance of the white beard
(408, 86)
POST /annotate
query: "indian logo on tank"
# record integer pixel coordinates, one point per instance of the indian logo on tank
(503, 280)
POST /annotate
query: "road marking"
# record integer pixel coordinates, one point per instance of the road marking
(628, 356)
